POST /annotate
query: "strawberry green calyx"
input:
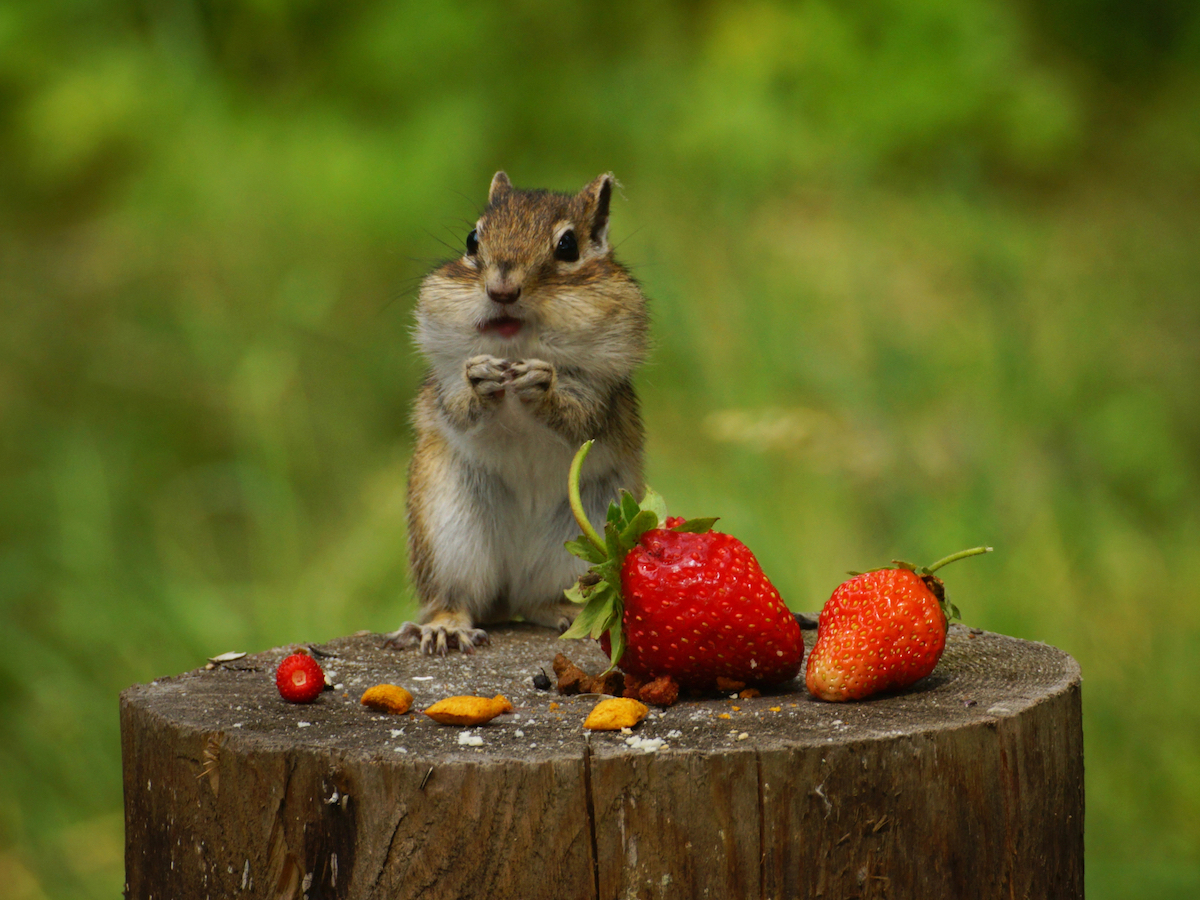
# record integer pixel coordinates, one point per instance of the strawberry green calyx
(935, 585)
(599, 589)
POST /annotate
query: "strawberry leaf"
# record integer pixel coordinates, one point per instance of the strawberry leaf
(614, 513)
(612, 538)
(629, 507)
(638, 525)
(696, 526)
(616, 638)
(575, 593)
(654, 502)
(583, 548)
(594, 617)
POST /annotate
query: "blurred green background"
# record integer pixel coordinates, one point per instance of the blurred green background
(925, 274)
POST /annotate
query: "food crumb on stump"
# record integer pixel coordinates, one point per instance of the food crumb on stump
(468, 710)
(611, 683)
(574, 680)
(662, 691)
(387, 698)
(571, 678)
(615, 714)
(633, 684)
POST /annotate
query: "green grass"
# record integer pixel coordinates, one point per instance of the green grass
(923, 277)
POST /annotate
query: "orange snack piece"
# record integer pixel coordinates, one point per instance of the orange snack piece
(468, 710)
(388, 698)
(615, 714)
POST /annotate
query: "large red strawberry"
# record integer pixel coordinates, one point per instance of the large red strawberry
(679, 600)
(881, 630)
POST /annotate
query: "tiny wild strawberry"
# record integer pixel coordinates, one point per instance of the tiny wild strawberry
(299, 679)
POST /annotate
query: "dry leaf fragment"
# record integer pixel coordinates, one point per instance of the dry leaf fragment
(615, 714)
(571, 678)
(227, 657)
(468, 710)
(662, 691)
(388, 698)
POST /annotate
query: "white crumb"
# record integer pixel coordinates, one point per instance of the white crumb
(646, 745)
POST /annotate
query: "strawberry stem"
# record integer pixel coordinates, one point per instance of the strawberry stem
(954, 557)
(577, 502)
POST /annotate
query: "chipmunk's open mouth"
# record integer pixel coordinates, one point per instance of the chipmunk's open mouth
(505, 326)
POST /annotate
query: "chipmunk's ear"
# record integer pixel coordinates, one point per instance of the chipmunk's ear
(500, 186)
(599, 194)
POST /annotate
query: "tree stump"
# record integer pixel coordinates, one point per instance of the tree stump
(969, 784)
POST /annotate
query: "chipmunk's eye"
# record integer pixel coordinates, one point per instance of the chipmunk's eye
(472, 243)
(567, 249)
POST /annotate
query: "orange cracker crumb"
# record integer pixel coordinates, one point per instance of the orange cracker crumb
(616, 713)
(468, 710)
(388, 698)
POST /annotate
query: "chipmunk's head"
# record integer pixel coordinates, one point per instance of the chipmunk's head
(531, 240)
(537, 265)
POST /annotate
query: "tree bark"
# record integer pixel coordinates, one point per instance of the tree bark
(969, 784)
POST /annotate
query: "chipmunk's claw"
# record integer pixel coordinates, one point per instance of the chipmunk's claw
(436, 638)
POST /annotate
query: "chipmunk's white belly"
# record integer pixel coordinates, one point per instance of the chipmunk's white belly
(503, 526)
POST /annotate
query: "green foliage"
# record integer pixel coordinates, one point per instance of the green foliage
(923, 275)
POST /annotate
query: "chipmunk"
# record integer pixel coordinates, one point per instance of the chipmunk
(532, 337)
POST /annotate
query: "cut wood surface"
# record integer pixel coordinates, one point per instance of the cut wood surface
(969, 784)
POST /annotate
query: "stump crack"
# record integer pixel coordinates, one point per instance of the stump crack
(762, 828)
(387, 857)
(591, 815)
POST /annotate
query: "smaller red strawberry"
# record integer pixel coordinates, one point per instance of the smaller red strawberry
(882, 630)
(679, 600)
(299, 679)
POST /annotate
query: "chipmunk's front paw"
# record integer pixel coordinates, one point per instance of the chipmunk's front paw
(436, 637)
(531, 379)
(488, 376)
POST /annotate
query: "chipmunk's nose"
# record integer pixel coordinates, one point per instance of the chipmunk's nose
(504, 293)
(504, 284)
